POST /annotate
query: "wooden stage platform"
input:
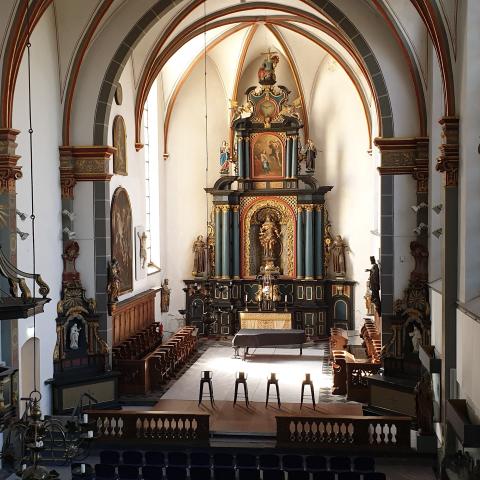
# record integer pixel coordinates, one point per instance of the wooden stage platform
(256, 419)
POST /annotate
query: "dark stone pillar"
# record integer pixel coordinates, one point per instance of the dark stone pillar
(448, 164)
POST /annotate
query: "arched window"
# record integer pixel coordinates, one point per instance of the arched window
(152, 207)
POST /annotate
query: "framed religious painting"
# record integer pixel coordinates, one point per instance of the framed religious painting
(267, 156)
(119, 137)
(122, 237)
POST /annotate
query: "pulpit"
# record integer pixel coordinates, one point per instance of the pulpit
(269, 219)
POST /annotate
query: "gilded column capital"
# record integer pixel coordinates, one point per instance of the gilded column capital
(236, 208)
(319, 207)
(247, 139)
(10, 172)
(300, 208)
(448, 161)
(308, 208)
(224, 208)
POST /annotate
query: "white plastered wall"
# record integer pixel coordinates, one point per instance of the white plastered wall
(46, 139)
(134, 182)
(339, 130)
(185, 176)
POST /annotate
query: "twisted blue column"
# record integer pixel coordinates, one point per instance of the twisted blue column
(308, 241)
(218, 242)
(241, 170)
(319, 241)
(294, 155)
(300, 246)
(225, 241)
(236, 242)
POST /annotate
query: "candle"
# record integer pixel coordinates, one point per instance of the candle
(246, 298)
(82, 468)
(24, 467)
(285, 299)
(90, 434)
(85, 418)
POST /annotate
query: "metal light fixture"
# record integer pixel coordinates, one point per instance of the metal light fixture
(418, 207)
(437, 233)
(437, 208)
(420, 227)
(21, 215)
(22, 235)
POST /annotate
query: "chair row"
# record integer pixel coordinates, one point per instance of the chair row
(152, 472)
(170, 356)
(140, 344)
(288, 462)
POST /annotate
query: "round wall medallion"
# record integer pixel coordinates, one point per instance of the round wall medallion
(119, 94)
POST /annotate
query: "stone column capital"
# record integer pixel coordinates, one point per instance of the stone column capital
(10, 172)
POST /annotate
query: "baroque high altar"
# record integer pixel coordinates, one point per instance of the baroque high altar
(270, 226)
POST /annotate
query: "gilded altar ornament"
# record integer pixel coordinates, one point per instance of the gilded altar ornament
(165, 297)
(113, 285)
(143, 247)
(338, 249)
(211, 245)
(199, 257)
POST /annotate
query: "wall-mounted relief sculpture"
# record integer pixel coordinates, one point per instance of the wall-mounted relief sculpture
(119, 137)
(141, 253)
(121, 238)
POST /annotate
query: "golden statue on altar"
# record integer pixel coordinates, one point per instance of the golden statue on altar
(269, 237)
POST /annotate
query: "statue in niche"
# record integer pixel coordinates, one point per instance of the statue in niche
(374, 284)
(74, 335)
(165, 297)
(309, 154)
(424, 404)
(224, 158)
(269, 237)
(143, 247)
(416, 336)
(338, 249)
(199, 257)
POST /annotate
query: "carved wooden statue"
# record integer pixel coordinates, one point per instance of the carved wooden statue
(424, 404)
(199, 257)
(338, 249)
(143, 247)
(113, 286)
(374, 284)
(165, 297)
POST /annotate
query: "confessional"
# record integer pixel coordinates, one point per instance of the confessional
(269, 218)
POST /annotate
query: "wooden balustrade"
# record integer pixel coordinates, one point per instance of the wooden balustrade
(344, 432)
(133, 315)
(151, 426)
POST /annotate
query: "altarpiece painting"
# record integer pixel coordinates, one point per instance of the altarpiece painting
(121, 235)
(267, 156)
